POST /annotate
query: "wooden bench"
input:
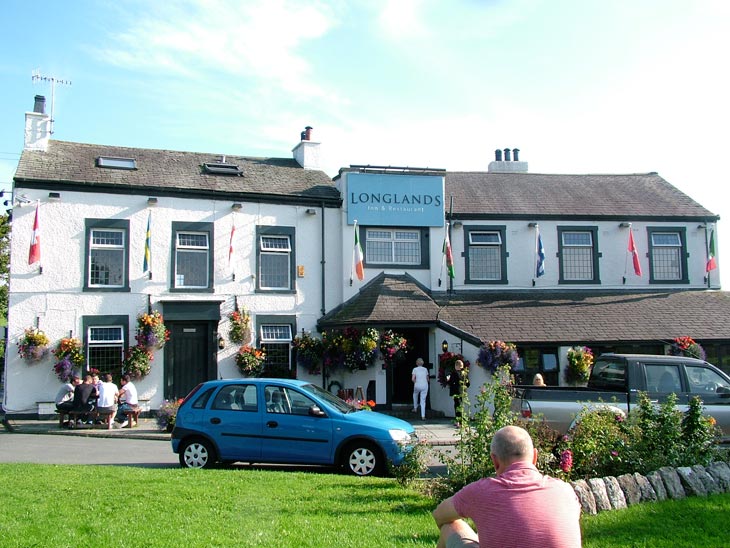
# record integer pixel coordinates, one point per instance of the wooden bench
(133, 416)
(106, 415)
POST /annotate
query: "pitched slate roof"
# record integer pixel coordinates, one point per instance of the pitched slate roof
(538, 195)
(167, 171)
(540, 316)
(388, 299)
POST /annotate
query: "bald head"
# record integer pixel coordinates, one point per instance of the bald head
(512, 444)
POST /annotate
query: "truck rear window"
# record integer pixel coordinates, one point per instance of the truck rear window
(608, 375)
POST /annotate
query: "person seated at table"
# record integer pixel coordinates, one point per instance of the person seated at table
(106, 404)
(84, 397)
(127, 400)
(65, 397)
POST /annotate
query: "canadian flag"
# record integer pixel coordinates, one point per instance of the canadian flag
(34, 255)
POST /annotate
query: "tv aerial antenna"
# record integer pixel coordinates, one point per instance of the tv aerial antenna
(37, 76)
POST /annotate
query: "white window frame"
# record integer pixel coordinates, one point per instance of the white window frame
(393, 239)
(268, 250)
(567, 258)
(91, 342)
(187, 248)
(122, 249)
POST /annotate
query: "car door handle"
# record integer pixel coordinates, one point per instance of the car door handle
(272, 424)
(215, 420)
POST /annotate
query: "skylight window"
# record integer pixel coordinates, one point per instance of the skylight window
(111, 162)
(220, 168)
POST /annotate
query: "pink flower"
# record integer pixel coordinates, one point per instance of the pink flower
(566, 460)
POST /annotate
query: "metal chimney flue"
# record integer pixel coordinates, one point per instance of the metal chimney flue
(40, 104)
(308, 133)
(507, 155)
(516, 154)
(498, 155)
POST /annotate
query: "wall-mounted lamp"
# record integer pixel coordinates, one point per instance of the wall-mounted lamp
(151, 202)
(55, 196)
(221, 343)
(311, 211)
(457, 224)
(701, 227)
(445, 346)
(236, 207)
(533, 225)
(625, 225)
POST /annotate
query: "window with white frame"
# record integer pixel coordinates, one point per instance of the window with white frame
(392, 246)
(107, 255)
(192, 252)
(275, 258)
(276, 340)
(578, 254)
(105, 348)
(667, 256)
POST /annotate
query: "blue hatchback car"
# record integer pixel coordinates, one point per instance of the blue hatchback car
(284, 421)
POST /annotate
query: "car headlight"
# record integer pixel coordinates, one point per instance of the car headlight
(400, 436)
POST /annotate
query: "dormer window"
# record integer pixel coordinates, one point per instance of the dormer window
(220, 168)
(111, 162)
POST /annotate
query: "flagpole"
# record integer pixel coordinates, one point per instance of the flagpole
(448, 230)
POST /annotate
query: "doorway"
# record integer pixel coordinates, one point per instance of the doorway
(399, 384)
(188, 357)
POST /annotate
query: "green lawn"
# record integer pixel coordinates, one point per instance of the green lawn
(80, 506)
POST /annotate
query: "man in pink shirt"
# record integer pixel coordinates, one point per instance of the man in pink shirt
(519, 507)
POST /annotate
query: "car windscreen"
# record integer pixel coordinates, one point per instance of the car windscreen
(333, 400)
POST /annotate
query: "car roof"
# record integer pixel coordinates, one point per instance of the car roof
(652, 357)
(257, 380)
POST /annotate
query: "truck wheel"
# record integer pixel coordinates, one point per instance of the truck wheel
(197, 453)
(363, 459)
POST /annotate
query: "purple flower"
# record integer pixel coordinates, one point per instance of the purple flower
(566, 460)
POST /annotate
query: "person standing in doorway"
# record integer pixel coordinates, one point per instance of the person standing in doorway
(419, 376)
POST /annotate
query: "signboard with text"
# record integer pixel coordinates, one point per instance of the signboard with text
(380, 199)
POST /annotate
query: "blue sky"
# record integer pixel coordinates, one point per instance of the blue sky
(579, 86)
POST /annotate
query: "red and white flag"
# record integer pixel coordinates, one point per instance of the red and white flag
(34, 255)
(230, 244)
(634, 253)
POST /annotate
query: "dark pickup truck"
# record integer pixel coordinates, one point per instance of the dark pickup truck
(616, 380)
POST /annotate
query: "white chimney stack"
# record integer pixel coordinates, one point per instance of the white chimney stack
(508, 165)
(37, 126)
(307, 153)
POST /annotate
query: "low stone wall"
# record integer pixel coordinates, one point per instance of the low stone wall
(611, 493)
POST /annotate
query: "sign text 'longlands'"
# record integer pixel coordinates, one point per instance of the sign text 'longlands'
(395, 200)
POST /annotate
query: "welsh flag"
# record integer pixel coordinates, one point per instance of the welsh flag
(34, 255)
(711, 262)
(448, 257)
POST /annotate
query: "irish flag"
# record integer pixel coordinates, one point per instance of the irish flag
(711, 262)
(357, 257)
(34, 255)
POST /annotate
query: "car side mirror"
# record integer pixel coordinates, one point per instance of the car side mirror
(315, 411)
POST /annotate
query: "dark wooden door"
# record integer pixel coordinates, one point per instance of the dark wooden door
(187, 357)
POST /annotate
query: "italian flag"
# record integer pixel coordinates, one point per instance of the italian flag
(711, 262)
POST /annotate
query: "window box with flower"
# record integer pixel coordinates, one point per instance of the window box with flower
(240, 329)
(151, 330)
(71, 359)
(33, 345)
(250, 361)
(137, 362)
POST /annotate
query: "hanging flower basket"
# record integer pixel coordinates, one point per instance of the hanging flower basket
(580, 362)
(393, 348)
(250, 361)
(333, 354)
(137, 362)
(688, 347)
(33, 345)
(447, 366)
(240, 330)
(309, 352)
(70, 356)
(151, 330)
(495, 354)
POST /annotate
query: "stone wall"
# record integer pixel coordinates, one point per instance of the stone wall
(611, 493)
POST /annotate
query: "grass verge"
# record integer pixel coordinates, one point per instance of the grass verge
(80, 506)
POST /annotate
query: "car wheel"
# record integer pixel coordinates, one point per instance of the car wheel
(197, 454)
(362, 459)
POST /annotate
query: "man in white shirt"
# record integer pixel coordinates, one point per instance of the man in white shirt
(107, 401)
(419, 376)
(127, 399)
